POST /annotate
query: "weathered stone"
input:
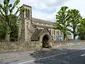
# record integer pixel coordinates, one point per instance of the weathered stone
(32, 29)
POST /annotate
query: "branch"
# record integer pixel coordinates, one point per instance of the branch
(1, 10)
(14, 5)
(2, 18)
(17, 11)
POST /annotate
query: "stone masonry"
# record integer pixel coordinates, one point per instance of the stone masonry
(33, 29)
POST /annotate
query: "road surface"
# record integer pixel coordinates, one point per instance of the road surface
(56, 56)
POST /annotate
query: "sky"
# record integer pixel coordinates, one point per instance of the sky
(47, 9)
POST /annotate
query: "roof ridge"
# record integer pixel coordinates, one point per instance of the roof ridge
(42, 20)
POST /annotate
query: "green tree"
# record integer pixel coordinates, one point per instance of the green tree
(6, 10)
(14, 28)
(2, 31)
(62, 22)
(75, 19)
(81, 30)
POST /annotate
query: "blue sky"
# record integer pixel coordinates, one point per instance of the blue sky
(47, 9)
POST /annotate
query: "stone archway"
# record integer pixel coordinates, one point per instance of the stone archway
(45, 41)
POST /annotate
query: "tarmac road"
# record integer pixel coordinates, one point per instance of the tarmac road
(56, 56)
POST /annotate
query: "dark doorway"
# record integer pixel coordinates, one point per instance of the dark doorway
(45, 41)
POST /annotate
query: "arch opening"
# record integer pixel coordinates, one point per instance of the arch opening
(45, 41)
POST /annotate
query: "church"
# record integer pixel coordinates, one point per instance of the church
(34, 29)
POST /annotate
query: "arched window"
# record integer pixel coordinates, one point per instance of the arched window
(27, 13)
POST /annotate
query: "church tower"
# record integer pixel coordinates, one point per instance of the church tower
(25, 24)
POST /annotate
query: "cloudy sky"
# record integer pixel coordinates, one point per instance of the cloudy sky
(47, 9)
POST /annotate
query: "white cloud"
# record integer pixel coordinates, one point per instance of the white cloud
(43, 9)
(43, 3)
(45, 16)
(47, 9)
(53, 6)
(77, 4)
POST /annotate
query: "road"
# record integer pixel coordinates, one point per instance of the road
(73, 57)
(77, 57)
(64, 56)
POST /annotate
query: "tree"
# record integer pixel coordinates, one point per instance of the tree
(6, 10)
(2, 31)
(75, 19)
(13, 26)
(81, 30)
(62, 22)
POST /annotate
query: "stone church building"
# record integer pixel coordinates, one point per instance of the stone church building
(33, 29)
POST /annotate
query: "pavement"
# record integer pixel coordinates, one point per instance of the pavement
(69, 55)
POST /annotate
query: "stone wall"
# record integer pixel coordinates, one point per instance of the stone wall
(35, 45)
(19, 46)
(65, 44)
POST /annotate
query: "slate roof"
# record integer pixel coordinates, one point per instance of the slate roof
(35, 20)
(43, 26)
(42, 21)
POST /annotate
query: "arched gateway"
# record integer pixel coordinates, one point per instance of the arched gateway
(45, 41)
(43, 36)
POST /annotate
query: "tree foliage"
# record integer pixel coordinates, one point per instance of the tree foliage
(6, 11)
(2, 31)
(13, 26)
(74, 19)
(62, 22)
(68, 20)
(81, 30)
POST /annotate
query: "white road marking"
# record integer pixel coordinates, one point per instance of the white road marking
(82, 55)
(43, 58)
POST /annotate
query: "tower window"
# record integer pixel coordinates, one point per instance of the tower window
(27, 13)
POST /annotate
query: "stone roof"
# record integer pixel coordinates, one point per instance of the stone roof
(26, 5)
(36, 34)
(42, 21)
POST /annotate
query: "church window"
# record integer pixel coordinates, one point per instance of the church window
(58, 32)
(27, 13)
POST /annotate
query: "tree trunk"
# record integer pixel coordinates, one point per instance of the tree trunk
(8, 34)
(74, 36)
(74, 29)
(64, 37)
